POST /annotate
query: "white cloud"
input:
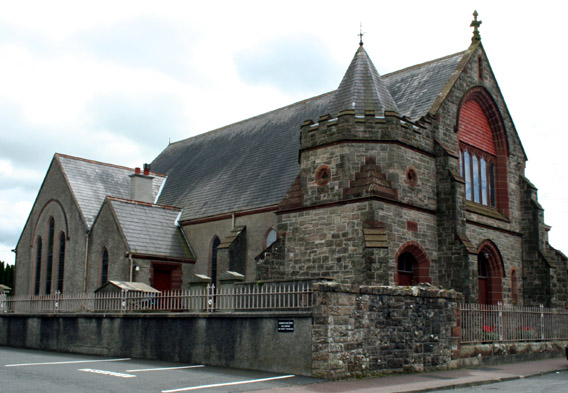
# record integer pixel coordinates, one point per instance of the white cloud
(114, 80)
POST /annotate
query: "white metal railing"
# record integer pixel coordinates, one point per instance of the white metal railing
(276, 296)
(505, 323)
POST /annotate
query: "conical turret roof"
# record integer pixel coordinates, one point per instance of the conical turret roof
(362, 89)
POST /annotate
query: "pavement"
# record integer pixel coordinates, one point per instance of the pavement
(431, 381)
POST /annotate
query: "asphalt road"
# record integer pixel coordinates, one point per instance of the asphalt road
(549, 383)
(36, 371)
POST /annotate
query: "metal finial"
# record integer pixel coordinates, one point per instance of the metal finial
(361, 34)
(475, 24)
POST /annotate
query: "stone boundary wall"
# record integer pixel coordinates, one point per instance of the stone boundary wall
(246, 341)
(372, 330)
(474, 355)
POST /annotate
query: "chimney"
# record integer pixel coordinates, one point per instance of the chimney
(141, 185)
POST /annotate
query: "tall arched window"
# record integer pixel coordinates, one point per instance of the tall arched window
(213, 266)
(61, 262)
(49, 264)
(483, 151)
(104, 266)
(37, 279)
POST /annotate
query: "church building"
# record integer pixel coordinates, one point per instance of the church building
(411, 177)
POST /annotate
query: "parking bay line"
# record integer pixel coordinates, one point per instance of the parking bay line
(105, 372)
(68, 362)
(216, 385)
(164, 368)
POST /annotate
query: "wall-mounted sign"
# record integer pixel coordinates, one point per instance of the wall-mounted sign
(286, 326)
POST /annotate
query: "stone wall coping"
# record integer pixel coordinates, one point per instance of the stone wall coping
(257, 314)
(413, 291)
(286, 281)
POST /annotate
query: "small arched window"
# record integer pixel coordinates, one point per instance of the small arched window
(37, 280)
(61, 262)
(49, 265)
(270, 237)
(104, 266)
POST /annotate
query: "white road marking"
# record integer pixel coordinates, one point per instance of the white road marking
(69, 362)
(163, 368)
(104, 372)
(226, 384)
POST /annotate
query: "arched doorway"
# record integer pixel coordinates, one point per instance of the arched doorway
(406, 262)
(490, 274)
(412, 265)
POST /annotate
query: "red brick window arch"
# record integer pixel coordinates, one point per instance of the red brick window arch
(483, 151)
(412, 265)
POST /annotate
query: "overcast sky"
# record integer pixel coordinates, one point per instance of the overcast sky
(115, 81)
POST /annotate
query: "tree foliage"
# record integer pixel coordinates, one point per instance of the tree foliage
(7, 274)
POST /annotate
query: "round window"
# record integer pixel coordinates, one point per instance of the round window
(411, 176)
(323, 175)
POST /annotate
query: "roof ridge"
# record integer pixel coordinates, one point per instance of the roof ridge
(103, 163)
(147, 204)
(255, 117)
(425, 63)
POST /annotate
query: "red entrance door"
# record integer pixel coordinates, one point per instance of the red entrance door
(483, 290)
(162, 279)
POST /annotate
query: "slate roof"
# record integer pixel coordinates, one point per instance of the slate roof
(252, 163)
(415, 89)
(245, 165)
(362, 89)
(92, 181)
(151, 230)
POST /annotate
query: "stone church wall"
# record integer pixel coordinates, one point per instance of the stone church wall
(54, 200)
(200, 236)
(105, 233)
(518, 247)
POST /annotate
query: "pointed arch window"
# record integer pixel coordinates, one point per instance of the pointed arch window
(483, 151)
(49, 264)
(37, 280)
(104, 266)
(478, 170)
(61, 262)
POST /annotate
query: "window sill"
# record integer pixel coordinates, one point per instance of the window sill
(485, 211)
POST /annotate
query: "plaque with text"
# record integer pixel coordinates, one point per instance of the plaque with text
(286, 326)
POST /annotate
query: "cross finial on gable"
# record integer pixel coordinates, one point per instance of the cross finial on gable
(475, 24)
(361, 34)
